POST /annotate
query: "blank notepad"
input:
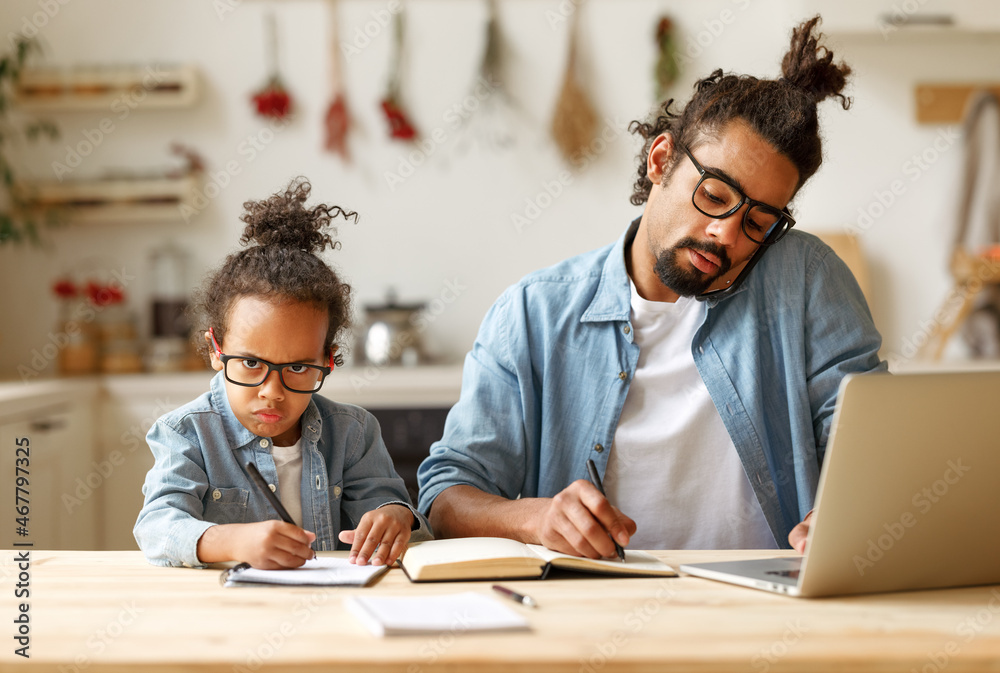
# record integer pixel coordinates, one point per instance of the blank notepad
(323, 571)
(453, 613)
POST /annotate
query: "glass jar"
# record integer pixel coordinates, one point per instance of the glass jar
(78, 341)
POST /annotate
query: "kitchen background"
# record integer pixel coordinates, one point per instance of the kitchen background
(482, 197)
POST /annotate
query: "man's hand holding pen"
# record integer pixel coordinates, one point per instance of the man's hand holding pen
(579, 520)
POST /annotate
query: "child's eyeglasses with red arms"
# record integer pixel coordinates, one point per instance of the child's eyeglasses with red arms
(298, 377)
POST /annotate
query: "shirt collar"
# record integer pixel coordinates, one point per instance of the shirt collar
(236, 433)
(612, 301)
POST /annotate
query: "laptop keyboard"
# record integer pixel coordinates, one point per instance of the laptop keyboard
(791, 574)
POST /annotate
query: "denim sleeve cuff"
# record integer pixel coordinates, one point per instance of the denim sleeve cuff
(420, 524)
(182, 544)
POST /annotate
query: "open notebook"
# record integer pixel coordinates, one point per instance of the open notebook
(496, 558)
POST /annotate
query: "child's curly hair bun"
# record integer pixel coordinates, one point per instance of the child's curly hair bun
(282, 264)
(283, 220)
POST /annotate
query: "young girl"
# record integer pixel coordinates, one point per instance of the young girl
(273, 314)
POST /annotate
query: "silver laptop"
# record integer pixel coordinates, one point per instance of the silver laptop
(909, 494)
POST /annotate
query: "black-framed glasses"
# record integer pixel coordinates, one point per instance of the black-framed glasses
(297, 377)
(716, 197)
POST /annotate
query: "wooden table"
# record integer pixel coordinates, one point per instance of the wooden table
(111, 611)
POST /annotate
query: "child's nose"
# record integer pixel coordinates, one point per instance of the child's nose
(271, 387)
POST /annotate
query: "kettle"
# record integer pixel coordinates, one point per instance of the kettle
(390, 336)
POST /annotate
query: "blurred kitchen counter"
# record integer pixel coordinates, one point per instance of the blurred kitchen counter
(89, 454)
(377, 387)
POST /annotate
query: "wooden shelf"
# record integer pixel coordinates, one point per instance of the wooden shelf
(141, 199)
(111, 88)
(946, 103)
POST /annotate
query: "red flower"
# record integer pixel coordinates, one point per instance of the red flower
(64, 288)
(273, 100)
(399, 126)
(104, 295)
(664, 27)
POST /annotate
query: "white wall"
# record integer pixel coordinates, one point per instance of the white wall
(451, 222)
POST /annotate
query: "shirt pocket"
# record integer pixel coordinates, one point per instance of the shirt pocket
(226, 505)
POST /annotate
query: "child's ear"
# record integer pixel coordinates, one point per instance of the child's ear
(216, 362)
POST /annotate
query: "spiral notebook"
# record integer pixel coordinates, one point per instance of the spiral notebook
(315, 572)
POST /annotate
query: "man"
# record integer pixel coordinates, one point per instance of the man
(703, 392)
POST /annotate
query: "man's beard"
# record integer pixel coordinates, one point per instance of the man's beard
(689, 283)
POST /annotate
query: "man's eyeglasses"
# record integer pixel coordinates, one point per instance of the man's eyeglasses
(251, 372)
(716, 197)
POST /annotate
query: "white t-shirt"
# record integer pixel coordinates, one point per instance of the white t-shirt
(673, 467)
(288, 460)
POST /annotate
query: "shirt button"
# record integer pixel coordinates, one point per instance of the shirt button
(336, 491)
(627, 329)
(271, 486)
(216, 494)
(701, 350)
(622, 375)
(264, 443)
(598, 447)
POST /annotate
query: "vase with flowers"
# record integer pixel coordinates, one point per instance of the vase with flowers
(76, 336)
(96, 331)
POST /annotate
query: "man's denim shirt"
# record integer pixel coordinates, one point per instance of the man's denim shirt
(199, 476)
(544, 384)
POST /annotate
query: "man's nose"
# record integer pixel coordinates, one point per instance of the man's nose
(727, 230)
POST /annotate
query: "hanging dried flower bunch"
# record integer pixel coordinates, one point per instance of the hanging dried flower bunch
(667, 69)
(273, 100)
(574, 123)
(486, 114)
(400, 126)
(338, 120)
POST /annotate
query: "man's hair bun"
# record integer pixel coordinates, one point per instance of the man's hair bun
(809, 66)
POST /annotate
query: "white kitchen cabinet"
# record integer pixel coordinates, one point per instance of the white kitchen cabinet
(64, 480)
(131, 405)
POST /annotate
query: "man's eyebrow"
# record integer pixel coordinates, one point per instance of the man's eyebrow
(736, 183)
(723, 174)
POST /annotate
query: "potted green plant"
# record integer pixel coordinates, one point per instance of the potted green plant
(17, 221)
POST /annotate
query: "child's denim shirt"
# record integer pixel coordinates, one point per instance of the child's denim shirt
(199, 476)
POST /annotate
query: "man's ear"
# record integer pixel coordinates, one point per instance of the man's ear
(661, 154)
(213, 358)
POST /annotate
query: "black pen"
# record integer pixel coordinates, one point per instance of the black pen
(256, 478)
(595, 479)
(514, 596)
